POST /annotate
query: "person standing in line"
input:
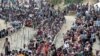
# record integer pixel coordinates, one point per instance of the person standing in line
(7, 47)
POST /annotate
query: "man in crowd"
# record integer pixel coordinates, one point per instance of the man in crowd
(7, 47)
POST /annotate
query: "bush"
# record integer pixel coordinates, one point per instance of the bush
(54, 2)
(73, 1)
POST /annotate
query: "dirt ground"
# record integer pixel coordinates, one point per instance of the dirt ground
(3, 25)
(18, 38)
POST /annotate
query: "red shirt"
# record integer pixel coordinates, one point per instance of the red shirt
(39, 32)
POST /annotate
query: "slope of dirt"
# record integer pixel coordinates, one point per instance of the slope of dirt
(59, 37)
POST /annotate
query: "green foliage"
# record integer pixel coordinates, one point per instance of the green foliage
(55, 1)
(73, 1)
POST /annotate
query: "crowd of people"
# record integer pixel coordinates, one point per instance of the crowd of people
(13, 17)
(48, 21)
(78, 41)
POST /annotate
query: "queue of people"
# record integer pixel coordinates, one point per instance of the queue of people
(78, 41)
(49, 24)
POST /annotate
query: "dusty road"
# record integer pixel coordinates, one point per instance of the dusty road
(59, 37)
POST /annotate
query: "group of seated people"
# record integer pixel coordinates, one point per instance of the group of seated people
(15, 25)
(3, 33)
(79, 40)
